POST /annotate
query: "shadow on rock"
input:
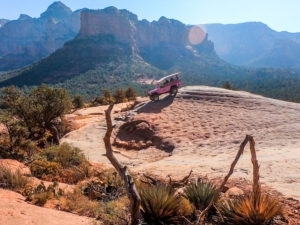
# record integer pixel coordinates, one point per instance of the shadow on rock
(156, 106)
(137, 135)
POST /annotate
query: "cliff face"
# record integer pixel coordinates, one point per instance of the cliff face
(162, 31)
(119, 23)
(161, 42)
(27, 39)
(128, 29)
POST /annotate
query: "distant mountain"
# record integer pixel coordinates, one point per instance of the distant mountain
(27, 39)
(254, 44)
(114, 49)
(112, 35)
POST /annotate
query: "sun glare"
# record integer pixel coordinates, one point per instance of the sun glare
(196, 35)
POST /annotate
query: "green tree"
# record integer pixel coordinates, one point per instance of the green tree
(130, 94)
(41, 110)
(10, 98)
(17, 135)
(78, 102)
(119, 96)
(105, 99)
(226, 85)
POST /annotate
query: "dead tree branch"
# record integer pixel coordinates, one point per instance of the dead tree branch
(173, 183)
(132, 193)
(247, 139)
(255, 186)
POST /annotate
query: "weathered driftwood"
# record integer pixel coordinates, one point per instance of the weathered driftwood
(180, 183)
(132, 193)
(255, 187)
(173, 183)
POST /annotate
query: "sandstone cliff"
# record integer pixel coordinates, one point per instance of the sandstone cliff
(155, 41)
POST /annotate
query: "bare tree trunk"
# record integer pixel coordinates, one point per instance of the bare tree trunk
(55, 133)
(255, 186)
(132, 193)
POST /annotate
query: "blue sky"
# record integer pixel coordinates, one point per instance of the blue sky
(280, 15)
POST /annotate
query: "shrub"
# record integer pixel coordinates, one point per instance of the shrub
(77, 203)
(15, 142)
(130, 94)
(66, 155)
(106, 186)
(120, 96)
(115, 212)
(40, 194)
(228, 86)
(186, 208)
(250, 209)
(12, 180)
(62, 163)
(78, 102)
(200, 194)
(105, 99)
(47, 170)
(160, 205)
(72, 175)
(110, 213)
(40, 199)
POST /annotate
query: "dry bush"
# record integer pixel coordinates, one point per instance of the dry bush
(186, 209)
(62, 163)
(45, 170)
(40, 199)
(12, 180)
(115, 212)
(100, 190)
(40, 194)
(110, 213)
(73, 175)
(76, 202)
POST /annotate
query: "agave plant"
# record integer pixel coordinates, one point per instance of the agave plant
(250, 209)
(160, 205)
(200, 194)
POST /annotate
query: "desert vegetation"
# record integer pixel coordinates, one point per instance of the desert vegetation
(35, 119)
(114, 196)
(161, 203)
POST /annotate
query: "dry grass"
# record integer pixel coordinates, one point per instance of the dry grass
(110, 213)
(12, 180)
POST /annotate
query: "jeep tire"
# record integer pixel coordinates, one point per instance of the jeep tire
(173, 90)
(154, 97)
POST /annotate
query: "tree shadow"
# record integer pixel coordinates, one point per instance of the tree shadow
(156, 106)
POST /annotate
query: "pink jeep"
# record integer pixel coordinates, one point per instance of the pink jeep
(167, 84)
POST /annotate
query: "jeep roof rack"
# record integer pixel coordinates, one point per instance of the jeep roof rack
(168, 76)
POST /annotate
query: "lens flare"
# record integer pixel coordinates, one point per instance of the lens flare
(196, 35)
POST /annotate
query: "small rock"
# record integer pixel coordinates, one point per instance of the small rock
(233, 192)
